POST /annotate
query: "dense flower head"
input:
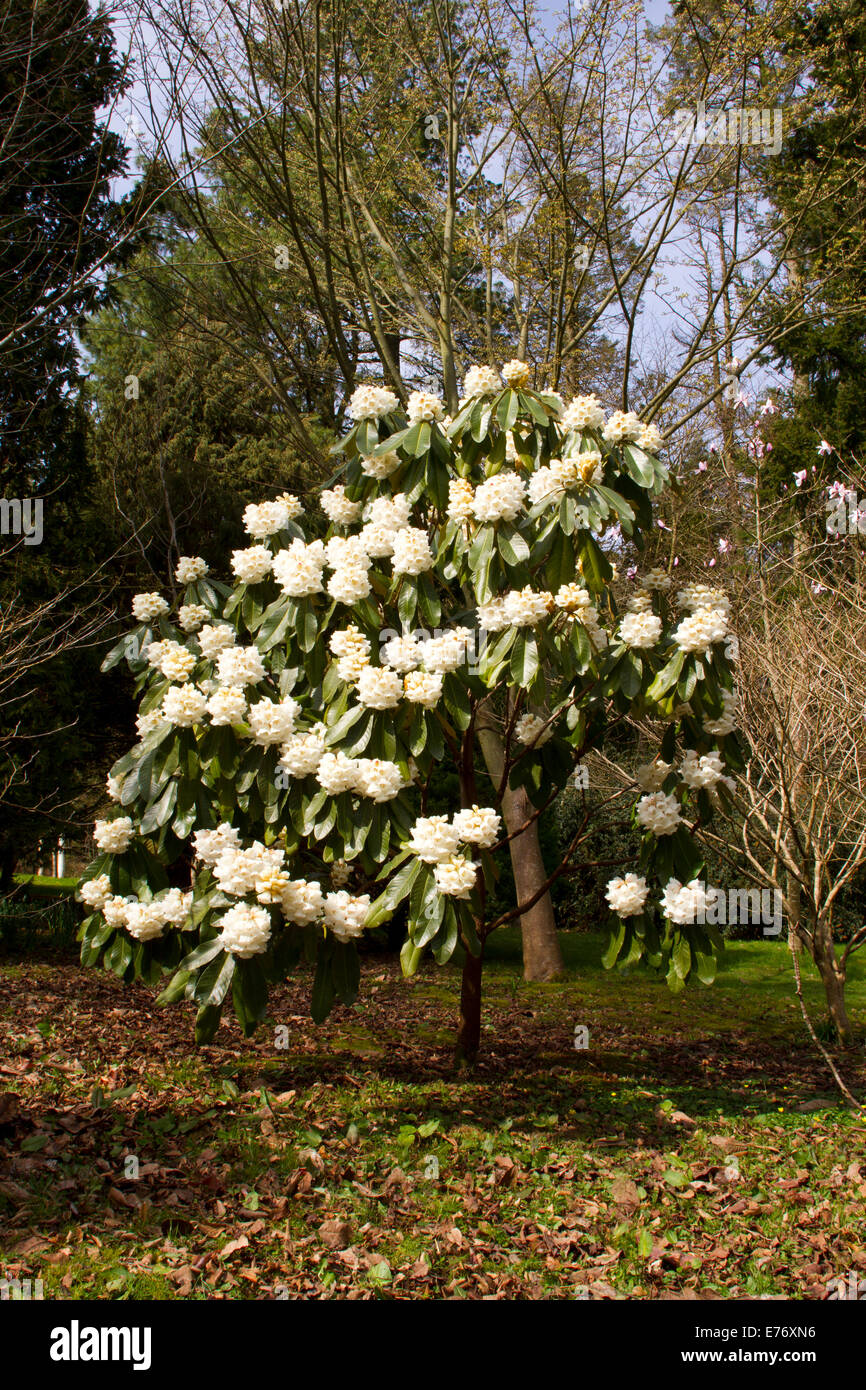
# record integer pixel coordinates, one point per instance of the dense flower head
(705, 771)
(379, 688)
(571, 597)
(391, 512)
(240, 666)
(113, 836)
(371, 403)
(526, 607)
(627, 895)
(461, 500)
(694, 596)
(148, 723)
(345, 915)
(174, 660)
(533, 730)
(446, 652)
(252, 565)
(412, 553)
(245, 931)
(353, 650)
(657, 580)
(649, 439)
(273, 722)
(481, 381)
(640, 630)
(423, 688)
(236, 870)
(492, 616)
(402, 653)
(583, 413)
(701, 629)
(651, 776)
(298, 569)
(455, 876)
(659, 813)
(191, 616)
(301, 754)
(478, 825)
(349, 583)
(684, 903)
(114, 911)
(377, 540)
(336, 773)
(227, 705)
(640, 602)
(622, 425)
(500, 498)
(727, 721)
(214, 639)
(378, 779)
(190, 568)
(146, 607)
(380, 466)
(434, 839)
(302, 901)
(423, 405)
(184, 706)
(210, 844)
(144, 920)
(338, 508)
(516, 373)
(265, 519)
(96, 892)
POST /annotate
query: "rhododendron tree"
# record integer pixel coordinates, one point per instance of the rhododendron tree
(290, 724)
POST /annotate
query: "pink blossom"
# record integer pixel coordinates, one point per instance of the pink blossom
(724, 545)
(824, 447)
(768, 408)
(800, 478)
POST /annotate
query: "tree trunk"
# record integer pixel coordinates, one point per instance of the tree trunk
(542, 957)
(833, 979)
(469, 1026)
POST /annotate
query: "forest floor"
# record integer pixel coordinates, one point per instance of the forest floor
(696, 1148)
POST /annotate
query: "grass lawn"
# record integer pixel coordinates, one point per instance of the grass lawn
(694, 1149)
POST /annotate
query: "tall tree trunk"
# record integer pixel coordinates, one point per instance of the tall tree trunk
(833, 975)
(469, 1024)
(542, 957)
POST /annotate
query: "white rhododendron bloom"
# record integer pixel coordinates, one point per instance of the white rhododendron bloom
(337, 774)
(478, 825)
(583, 413)
(371, 403)
(301, 754)
(240, 666)
(447, 652)
(298, 569)
(544, 486)
(423, 688)
(190, 568)
(252, 565)
(423, 405)
(349, 584)
(693, 596)
(96, 892)
(380, 467)
(114, 910)
(412, 553)
(585, 469)
(227, 705)
(516, 373)
(390, 512)
(532, 730)
(273, 722)
(640, 602)
(338, 508)
(659, 813)
(377, 540)
(148, 723)
(701, 629)
(684, 903)
(379, 688)
(727, 721)
(650, 776)
(245, 931)
(353, 650)
(146, 607)
(265, 519)
(114, 787)
(649, 439)
(698, 772)
(640, 630)
(402, 654)
(176, 662)
(378, 779)
(572, 597)
(340, 873)
(236, 870)
(345, 915)
(455, 876)
(211, 844)
(291, 503)
(658, 580)
(344, 551)
(144, 920)
(461, 500)
(622, 425)
(184, 706)
(492, 616)
(627, 895)
(214, 639)
(175, 906)
(434, 839)
(525, 607)
(270, 885)
(302, 901)
(500, 498)
(481, 381)
(190, 616)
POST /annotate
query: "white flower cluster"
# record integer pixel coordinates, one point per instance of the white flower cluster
(214, 639)
(381, 466)
(651, 776)
(517, 608)
(435, 839)
(227, 705)
(173, 659)
(622, 425)
(516, 373)
(345, 915)
(657, 580)
(659, 813)
(252, 565)
(301, 755)
(184, 706)
(145, 920)
(191, 616)
(190, 568)
(352, 649)
(481, 381)
(338, 508)
(423, 405)
(533, 730)
(298, 569)
(583, 413)
(500, 498)
(273, 722)
(265, 519)
(640, 630)
(240, 666)
(698, 772)
(147, 723)
(438, 655)
(461, 500)
(627, 895)
(694, 596)
(146, 607)
(551, 482)
(412, 553)
(371, 403)
(701, 629)
(649, 439)
(245, 930)
(727, 721)
(684, 903)
(370, 777)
